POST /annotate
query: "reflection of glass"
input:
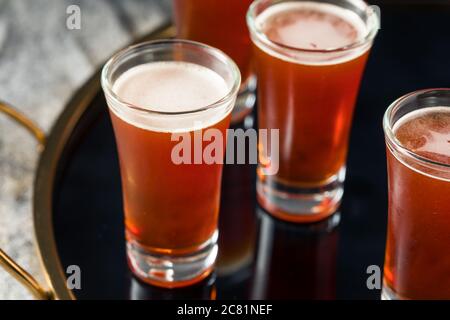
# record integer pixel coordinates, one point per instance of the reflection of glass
(295, 261)
(237, 213)
(204, 290)
(237, 225)
(309, 60)
(417, 130)
(221, 24)
(155, 90)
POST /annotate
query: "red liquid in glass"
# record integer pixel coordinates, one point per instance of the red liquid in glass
(218, 23)
(169, 208)
(310, 100)
(417, 262)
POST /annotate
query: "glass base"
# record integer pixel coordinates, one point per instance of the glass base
(170, 271)
(388, 294)
(297, 204)
(245, 101)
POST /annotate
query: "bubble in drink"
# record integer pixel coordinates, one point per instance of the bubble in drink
(314, 26)
(426, 132)
(172, 86)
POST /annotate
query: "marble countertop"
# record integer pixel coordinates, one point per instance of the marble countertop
(42, 63)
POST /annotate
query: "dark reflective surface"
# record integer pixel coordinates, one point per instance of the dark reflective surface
(295, 261)
(204, 290)
(261, 257)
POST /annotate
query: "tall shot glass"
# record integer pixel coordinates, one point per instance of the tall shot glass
(308, 92)
(171, 208)
(417, 132)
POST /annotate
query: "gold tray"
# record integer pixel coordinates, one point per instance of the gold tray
(51, 152)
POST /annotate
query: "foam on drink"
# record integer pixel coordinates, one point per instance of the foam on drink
(172, 86)
(312, 26)
(426, 132)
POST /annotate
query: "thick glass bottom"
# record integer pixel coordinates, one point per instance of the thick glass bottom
(388, 294)
(170, 271)
(298, 204)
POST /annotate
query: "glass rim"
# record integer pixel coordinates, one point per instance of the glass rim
(214, 52)
(389, 132)
(372, 32)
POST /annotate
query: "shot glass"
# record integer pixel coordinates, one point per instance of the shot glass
(308, 83)
(417, 131)
(171, 207)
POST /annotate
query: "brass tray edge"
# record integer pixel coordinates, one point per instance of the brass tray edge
(46, 174)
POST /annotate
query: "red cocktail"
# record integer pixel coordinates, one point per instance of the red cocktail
(221, 24)
(309, 60)
(159, 94)
(417, 129)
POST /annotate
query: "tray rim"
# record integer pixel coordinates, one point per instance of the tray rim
(46, 173)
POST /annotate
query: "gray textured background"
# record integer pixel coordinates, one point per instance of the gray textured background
(42, 63)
